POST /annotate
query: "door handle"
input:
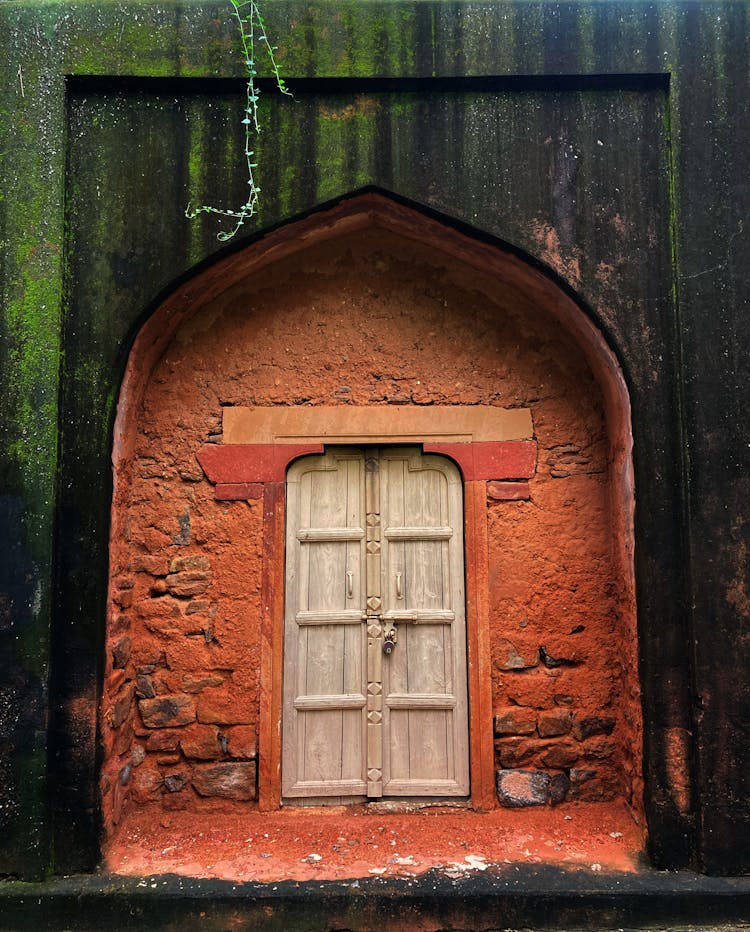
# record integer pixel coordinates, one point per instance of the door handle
(399, 592)
(349, 584)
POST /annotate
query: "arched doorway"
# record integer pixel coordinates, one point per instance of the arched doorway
(370, 324)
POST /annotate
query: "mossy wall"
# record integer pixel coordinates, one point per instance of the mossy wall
(604, 140)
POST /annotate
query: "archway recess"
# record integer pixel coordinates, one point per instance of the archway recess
(369, 323)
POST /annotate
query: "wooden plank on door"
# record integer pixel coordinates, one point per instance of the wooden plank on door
(424, 703)
(323, 743)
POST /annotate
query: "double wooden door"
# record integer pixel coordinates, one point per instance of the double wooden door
(374, 555)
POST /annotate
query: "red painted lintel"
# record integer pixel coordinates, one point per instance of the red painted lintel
(245, 465)
(501, 459)
(240, 463)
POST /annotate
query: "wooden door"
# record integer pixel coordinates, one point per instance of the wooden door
(374, 544)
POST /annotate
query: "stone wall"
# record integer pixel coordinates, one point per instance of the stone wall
(369, 319)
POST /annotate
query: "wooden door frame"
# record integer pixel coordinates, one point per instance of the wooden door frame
(252, 470)
(365, 470)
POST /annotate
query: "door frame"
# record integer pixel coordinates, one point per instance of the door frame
(371, 528)
(485, 443)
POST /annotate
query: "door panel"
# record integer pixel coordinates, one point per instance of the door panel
(323, 751)
(374, 542)
(424, 681)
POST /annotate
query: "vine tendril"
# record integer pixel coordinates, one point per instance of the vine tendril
(252, 30)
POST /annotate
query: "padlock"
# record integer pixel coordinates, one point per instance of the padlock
(389, 641)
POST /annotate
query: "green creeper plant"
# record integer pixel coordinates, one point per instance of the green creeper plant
(252, 30)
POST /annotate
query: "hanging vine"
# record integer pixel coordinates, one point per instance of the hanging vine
(252, 34)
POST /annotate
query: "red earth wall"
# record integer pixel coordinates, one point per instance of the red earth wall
(368, 320)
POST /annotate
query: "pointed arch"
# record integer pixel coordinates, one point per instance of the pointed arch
(475, 260)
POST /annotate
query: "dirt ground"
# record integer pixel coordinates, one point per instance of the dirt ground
(338, 843)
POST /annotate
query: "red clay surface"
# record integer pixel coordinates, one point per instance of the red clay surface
(349, 843)
(371, 320)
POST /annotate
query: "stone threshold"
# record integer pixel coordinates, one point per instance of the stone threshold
(508, 897)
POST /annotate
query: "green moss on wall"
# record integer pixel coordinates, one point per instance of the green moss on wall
(31, 164)
(32, 270)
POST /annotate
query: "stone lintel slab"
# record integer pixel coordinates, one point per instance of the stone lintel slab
(376, 424)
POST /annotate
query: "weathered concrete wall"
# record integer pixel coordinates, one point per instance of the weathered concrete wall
(605, 140)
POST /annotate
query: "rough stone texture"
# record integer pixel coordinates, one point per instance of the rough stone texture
(166, 608)
(187, 583)
(594, 725)
(174, 782)
(195, 684)
(508, 491)
(196, 563)
(242, 741)
(559, 785)
(167, 710)
(224, 707)
(517, 788)
(598, 748)
(515, 722)
(123, 598)
(229, 781)
(560, 756)
(145, 688)
(123, 737)
(586, 785)
(506, 656)
(168, 760)
(163, 740)
(197, 605)
(115, 680)
(121, 652)
(515, 752)
(146, 563)
(122, 707)
(554, 723)
(200, 742)
(147, 785)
